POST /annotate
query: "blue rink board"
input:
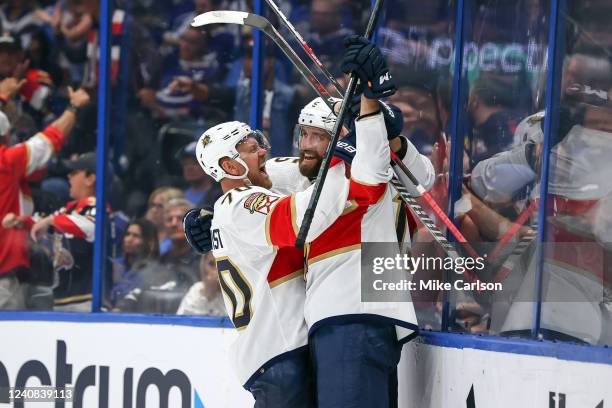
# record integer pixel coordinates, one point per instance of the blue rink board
(543, 348)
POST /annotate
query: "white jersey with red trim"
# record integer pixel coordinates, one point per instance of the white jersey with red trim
(333, 279)
(260, 270)
(338, 248)
(286, 179)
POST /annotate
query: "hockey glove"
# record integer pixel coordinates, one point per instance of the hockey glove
(196, 224)
(367, 62)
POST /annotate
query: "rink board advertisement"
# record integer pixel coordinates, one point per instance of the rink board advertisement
(137, 365)
(121, 365)
(450, 377)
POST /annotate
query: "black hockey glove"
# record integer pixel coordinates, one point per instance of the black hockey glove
(367, 62)
(196, 224)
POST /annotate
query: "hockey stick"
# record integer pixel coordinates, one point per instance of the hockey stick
(434, 206)
(263, 24)
(255, 21)
(514, 257)
(420, 213)
(524, 243)
(514, 228)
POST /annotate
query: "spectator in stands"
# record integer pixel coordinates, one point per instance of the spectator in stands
(204, 297)
(164, 285)
(18, 18)
(70, 23)
(140, 248)
(181, 252)
(182, 22)
(416, 99)
(76, 222)
(33, 94)
(235, 91)
(130, 71)
(327, 33)
(17, 163)
(155, 213)
(196, 61)
(202, 189)
(224, 37)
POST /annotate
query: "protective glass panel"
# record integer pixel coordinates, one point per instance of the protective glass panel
(173, 83)
(504, 64)
(418, 40)
(577, 257)
(47, 208)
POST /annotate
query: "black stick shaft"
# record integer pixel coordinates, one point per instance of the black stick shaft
(314, 199)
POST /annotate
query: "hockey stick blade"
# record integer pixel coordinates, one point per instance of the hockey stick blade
(263, 24)
(220, 17)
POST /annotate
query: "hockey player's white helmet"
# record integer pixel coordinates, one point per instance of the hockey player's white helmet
(317, 114)
(220, 141)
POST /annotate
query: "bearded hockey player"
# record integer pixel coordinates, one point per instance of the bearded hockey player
(356, 345)
(260, 272)
(292, 174)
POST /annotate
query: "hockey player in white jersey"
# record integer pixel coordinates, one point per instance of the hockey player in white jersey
(253, 233)
(356, 345)
(293, 174)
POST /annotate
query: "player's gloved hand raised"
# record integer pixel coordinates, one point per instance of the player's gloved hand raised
(196, 224)
(367, 62)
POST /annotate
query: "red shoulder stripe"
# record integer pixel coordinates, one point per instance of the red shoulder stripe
(282, 223)
(366, 194)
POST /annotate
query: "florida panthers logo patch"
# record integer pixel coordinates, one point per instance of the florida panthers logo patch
(260, 202)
